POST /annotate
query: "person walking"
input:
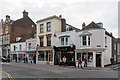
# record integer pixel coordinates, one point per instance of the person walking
(16, 59)
(79, 62)
(26, 59)
(112, 60)
(85, 62)
(34, 58)
(64, 61)
(60, 61)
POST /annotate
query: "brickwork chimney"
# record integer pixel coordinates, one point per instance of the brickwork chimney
(25, 14)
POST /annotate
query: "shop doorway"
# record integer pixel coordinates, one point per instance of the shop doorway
(98, 60)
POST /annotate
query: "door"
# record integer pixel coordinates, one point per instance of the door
(98, 60)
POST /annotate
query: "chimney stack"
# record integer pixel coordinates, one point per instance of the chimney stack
(7, 17)
(25, 14)
(83, 25)
(111, 33)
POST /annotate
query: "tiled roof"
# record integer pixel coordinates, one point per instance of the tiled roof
(91, 25)
(72, 27)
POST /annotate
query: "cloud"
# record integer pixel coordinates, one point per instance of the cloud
(75, 11)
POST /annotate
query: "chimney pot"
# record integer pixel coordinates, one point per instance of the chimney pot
(25, 13)
(60, 16)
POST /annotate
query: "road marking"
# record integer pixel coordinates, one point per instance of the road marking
(116, 67)
(9, 76)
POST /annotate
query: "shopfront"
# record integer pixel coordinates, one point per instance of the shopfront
(45, 55)
(68, 52)
(95, 57)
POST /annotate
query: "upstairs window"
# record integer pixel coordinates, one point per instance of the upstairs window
(6, 30)
(1, 30)
(20, 47)
(62, 41)
(48, 26)
(84, 40)
(41, 41)
(88, 40)
(105, 41)
(48, 40)
(14, 47)
(41, 28)
(29, 46)
(66, 41)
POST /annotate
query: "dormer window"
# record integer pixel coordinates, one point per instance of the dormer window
(85, 39)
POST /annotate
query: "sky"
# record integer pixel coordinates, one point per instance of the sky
(74, 11)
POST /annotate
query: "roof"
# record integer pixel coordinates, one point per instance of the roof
(91, 25)
(24, 22)
(54, 16)
(24, 37)
(72, 27)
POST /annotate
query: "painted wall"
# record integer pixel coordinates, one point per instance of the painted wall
(108, 51)
(97, 38)
(33, 44)
(71, 39)
(23, 48)
(55, 28)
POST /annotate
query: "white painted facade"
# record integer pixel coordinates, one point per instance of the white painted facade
(17, 50)
(98, 46)
(68, 34)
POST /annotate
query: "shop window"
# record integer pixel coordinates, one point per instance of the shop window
(78, 55)
(83, 56)
(90, 57)
(62, 41)
(48, 26)
(41, 56)
(41, 28)
(48, 40)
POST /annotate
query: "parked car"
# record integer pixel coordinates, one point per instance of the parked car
(5, 59)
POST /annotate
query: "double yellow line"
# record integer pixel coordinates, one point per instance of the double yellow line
(9, 76)
(116, 67)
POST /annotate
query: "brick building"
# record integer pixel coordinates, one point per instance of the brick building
(10, 30)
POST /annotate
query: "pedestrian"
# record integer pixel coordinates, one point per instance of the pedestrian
(79, 62)
(64, 61)
(85, 62)
(26, 59)
(19, 58)
(16, 58)
(60, 61)
(112, 60)
(34, 58)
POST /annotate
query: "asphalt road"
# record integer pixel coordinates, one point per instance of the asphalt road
(44, 71)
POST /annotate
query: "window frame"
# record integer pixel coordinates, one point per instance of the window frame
(41, 28)
(48, 24)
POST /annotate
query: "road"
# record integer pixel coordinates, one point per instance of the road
(49, 71)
